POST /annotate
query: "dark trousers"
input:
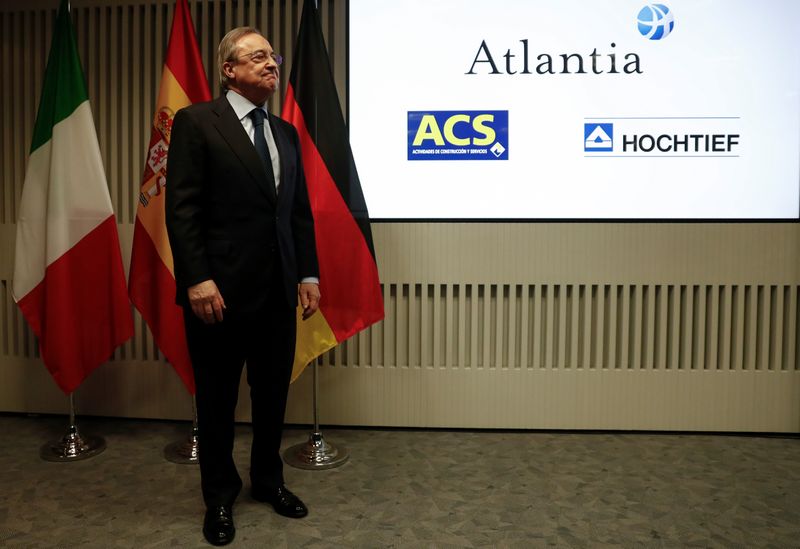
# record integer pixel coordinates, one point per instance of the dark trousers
(265, 340)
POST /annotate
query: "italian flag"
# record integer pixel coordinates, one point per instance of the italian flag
(351, 293)
(151, 279)
(68, 276)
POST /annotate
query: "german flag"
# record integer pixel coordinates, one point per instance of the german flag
(151, 282)
(351, 293)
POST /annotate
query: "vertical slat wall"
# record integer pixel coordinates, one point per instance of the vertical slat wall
(590, 325)
(654, 327)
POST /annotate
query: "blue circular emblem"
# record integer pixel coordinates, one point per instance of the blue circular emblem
(655, 21)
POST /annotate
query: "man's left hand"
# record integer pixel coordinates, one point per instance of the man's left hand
(309, 298)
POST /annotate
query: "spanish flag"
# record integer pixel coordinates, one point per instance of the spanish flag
(151, 282)
(351, 293)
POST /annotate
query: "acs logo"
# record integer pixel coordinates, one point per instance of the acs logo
(458, 135)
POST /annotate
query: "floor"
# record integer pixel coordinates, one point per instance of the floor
(411, 488)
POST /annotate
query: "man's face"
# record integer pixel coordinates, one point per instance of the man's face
(254, 72)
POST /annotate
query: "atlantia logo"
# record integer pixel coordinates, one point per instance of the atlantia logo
(656, 21)
(458, 135)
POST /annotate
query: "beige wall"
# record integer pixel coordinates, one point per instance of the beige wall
(513, 325)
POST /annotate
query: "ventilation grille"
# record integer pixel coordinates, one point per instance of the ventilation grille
(631, 327)
(639, 327)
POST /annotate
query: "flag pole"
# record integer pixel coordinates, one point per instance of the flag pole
(72, 446)
(316, 453)
(185, 452)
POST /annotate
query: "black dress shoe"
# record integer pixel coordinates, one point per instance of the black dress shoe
(284, 502)
(218, 525)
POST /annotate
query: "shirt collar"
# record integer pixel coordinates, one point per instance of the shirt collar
(241, 105)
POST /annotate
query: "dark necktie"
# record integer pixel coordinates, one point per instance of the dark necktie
(257, 115)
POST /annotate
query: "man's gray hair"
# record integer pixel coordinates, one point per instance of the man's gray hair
(228, 50)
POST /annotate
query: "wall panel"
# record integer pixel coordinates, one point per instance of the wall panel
(687, 326)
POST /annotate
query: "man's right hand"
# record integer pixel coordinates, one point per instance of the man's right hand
(206, 301)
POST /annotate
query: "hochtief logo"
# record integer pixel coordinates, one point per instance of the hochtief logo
(656, 21)
(598, 137)
(663, 136)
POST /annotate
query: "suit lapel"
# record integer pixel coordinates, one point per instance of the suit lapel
(232, 131)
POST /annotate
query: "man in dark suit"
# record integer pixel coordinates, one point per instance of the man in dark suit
(242, 238)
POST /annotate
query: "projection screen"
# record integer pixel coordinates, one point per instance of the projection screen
(576, 109)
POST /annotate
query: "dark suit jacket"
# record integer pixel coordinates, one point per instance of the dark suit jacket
(224, 220)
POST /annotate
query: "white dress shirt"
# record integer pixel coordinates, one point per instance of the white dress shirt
(242, 107)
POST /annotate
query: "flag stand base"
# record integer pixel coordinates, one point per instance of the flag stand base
(73, 447)
(185, 451)
(316, 453)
